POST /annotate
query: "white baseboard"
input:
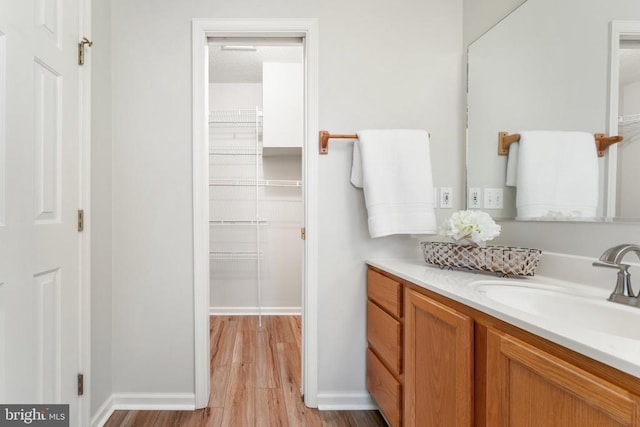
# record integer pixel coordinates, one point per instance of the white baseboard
(253, 311)
(142, 402)
(341, 401)
(103, 413)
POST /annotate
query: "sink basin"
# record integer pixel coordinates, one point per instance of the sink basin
(585, 309)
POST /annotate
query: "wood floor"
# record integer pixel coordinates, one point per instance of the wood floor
(255, 381)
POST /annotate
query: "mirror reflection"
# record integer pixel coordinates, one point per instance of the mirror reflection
(556, 66)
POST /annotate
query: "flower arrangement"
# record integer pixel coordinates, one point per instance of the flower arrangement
(470, 227)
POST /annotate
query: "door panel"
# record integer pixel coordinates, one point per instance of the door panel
(39, 198)
(438, 376)
(527, 386)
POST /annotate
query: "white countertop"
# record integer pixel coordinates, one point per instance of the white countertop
(619, 352)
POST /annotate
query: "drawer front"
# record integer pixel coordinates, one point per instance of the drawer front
(384, 388)
(384, 334)
(386, 292)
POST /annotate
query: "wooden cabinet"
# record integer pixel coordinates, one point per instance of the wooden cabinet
(432, 361)
(282, 104)
(438, 349)
(384, 336)
(527, 386)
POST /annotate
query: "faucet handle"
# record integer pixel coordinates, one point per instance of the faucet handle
(623, 267)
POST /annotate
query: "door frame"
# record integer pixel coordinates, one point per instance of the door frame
(203, 28)
(84, 203)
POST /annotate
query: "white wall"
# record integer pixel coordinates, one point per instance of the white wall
(100, 210)
(382, 64)
(235, 96)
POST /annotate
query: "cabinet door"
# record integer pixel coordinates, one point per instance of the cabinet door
(529, 387)
(282, 104)
(439, 364)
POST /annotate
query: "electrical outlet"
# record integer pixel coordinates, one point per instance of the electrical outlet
(446, 197)
(493, 198)
(474, 198)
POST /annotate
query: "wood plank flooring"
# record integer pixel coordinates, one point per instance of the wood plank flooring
(255, 381)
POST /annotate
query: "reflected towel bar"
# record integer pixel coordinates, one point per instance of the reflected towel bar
(324, 140)
(602, 142)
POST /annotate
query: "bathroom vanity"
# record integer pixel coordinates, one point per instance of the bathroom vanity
(442, 352)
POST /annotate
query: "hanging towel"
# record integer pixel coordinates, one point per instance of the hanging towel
(557, 175)
(512, 165)
(393, 167)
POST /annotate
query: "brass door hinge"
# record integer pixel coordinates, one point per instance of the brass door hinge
(80, 220)
(80, 384)
(83, 42)
(303, 233)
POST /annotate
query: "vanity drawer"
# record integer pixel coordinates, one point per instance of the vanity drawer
(386, 292)
(384, 334)
(384, 388)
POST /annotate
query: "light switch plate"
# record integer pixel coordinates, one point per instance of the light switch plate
(474, 200)
(493, 198)
(446, 197)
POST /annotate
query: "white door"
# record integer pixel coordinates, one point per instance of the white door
(39, 196)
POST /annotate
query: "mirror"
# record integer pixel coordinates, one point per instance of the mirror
(547, 66)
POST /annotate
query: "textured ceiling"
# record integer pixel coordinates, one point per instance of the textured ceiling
(245, 66)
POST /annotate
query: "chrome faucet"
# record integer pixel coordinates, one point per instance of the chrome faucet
(612, 258)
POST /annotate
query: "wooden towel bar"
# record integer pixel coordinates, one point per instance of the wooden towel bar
(602, 142)
(325, 136)
(324, 140)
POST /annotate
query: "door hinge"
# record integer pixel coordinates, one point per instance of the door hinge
(80, 384)
(303, 233)
(80, 220)
(83, 42)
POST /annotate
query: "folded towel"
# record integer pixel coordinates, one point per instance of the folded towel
(393, 167)
(557, 175)
(512, 165)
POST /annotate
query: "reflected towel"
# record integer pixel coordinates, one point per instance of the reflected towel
(512, 165)
(393, 167)
(557, 175)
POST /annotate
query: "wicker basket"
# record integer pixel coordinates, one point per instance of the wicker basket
(502, 260)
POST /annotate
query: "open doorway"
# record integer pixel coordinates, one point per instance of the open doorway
(304, 30)
(255, 175)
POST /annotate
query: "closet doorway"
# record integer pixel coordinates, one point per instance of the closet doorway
(256, 213)
(256, 133)
(203, 30)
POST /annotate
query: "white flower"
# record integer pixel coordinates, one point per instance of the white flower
(475, 225)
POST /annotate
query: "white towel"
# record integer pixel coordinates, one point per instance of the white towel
(393, 167)
(512, 165)
(557, 175)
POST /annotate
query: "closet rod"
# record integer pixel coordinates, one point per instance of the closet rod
(602, 142)
(236, 222)
(245, 255)
(253, 183)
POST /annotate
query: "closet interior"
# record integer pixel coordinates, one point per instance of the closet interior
(255, 176)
